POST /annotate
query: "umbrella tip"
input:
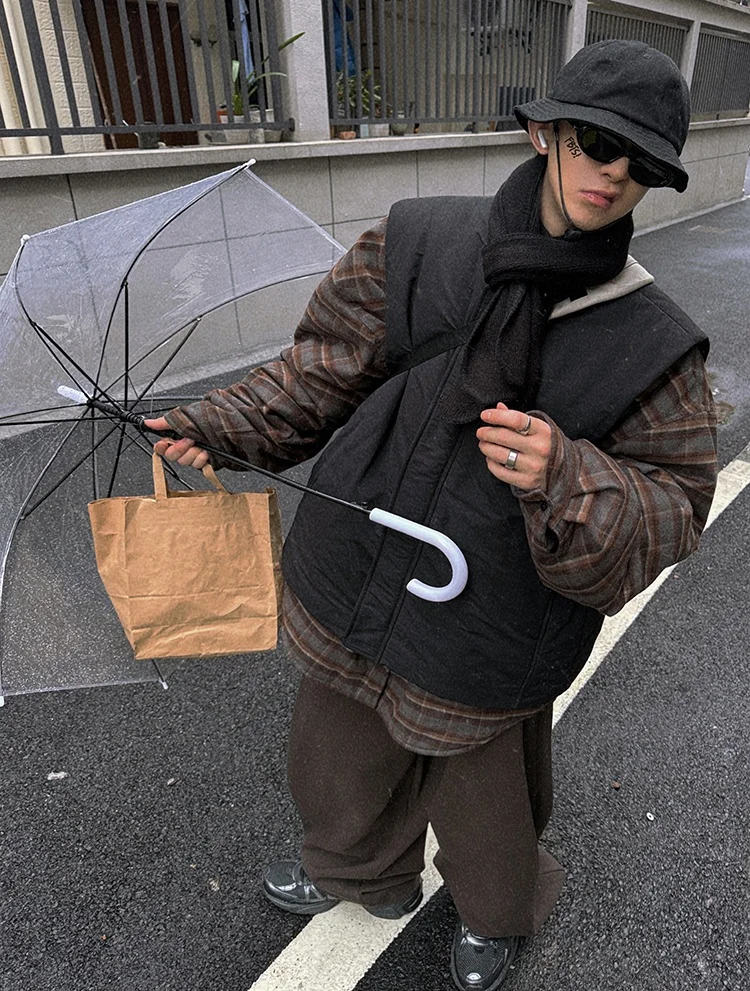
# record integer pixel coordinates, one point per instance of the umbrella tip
(25, 238)
(73, 394)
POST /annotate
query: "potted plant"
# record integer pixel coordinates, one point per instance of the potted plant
(251, 84)
(346, 102)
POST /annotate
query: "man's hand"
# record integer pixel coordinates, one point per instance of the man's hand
(184, 452)
(510, 430)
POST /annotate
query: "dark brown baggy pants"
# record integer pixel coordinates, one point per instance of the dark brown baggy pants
(365, 803)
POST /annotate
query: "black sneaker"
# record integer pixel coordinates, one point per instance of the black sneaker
(481, 963)
(287, 886)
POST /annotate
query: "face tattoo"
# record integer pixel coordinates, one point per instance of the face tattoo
(572, 147)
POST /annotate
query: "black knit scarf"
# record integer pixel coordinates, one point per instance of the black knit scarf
(526, 272)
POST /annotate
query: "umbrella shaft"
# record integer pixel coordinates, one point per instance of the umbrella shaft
(118, 414)
(248, 466)
(136, 419)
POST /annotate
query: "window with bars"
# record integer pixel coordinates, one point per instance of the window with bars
(721, 82)
(667, 37)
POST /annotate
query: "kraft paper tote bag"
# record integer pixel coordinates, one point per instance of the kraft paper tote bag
(191, 574)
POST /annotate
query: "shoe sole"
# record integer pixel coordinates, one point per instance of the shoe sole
(309, 908)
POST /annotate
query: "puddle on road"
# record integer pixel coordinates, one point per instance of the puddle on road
(724, 410)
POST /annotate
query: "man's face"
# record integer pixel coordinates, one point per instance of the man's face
(595, 194)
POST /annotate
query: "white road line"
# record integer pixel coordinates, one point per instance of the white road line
(335, 950)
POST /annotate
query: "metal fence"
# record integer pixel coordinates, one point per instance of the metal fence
(139, 72)
(439, 61)
(721, 85)
(602, 25)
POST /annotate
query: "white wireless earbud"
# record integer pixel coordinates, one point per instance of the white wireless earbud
(542, 139)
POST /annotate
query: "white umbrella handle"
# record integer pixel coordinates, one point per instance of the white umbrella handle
(460, 571)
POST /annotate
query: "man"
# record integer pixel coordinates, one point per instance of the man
(501, 371)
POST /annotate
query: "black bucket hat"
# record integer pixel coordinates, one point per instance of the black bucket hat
(627, 88)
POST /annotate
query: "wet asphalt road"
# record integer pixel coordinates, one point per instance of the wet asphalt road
(135, 866)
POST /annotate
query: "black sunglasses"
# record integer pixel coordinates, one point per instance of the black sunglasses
(605, 147)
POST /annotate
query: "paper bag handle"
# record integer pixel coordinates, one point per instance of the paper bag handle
(213, 478)
(161, 489)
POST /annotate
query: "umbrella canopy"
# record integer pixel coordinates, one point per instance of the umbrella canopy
(142, 305)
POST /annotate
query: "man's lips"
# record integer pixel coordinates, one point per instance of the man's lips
(598, 197)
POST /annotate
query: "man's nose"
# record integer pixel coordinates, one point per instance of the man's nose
(617, 170)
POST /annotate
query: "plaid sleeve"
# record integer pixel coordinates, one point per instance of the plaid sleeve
(284, 411)
(614, 516)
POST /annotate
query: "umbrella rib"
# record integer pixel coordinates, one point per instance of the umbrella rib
(116, 465)
(127, 342)
(170, 359)
(50, 343)
(47, 343)
(40, 423)
(49, 464)
(35, 412)
(67, 475)
(162, 679)
(143, 357)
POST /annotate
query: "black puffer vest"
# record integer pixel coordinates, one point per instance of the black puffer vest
(506, 641)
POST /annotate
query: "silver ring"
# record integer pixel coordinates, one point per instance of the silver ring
(527, 429)
(510, 461)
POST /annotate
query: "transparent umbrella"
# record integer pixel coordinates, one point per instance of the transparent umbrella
(106, 321)
(141, 306)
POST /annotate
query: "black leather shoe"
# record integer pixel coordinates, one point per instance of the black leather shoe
(287, 886)
(397, 911)
(481, 963)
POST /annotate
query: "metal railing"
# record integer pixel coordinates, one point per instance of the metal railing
(439, 61)
(603, 25)
(138, 72)
(721, 85)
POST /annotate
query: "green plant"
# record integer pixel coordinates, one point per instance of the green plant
(254, 78)
(346, 96)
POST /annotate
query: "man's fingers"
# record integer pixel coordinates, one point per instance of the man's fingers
(511, 439)
(175, 450)
(160, 423)
(501, 416)
(183, 451)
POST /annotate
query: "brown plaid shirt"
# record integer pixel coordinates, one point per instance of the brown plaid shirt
(612, 517)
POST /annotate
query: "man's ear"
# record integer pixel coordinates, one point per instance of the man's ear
(539, 135)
